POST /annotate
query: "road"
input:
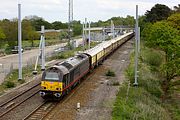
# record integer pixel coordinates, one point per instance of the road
(9, 62)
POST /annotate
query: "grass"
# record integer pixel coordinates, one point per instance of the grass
(143, 102)
(110, 73)
(27, 44)
(11, 79)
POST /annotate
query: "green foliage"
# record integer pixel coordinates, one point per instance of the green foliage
(162, 35)
(57, 25)
(10, 30)
(9, 84)
(77, 28)
(151, 57)
(157, 13)
(142, 22)
(177, 8)
(174, 21)
(37, 22)
(142, 102)
(140, 105)
(2, 37)
(110, 73)
(63, 35)
(115, 83)
(128, 21)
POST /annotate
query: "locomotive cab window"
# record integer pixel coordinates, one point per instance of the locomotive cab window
(52, 76)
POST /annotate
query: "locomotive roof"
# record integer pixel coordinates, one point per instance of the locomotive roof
(63, 69)
(74, 61)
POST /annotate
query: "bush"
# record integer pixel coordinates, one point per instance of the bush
(115, 83)
(130, 73)
(152, 58)
(21, 81)
(9, 84)
(110, 73)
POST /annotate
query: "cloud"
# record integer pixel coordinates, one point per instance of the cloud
(95, 10)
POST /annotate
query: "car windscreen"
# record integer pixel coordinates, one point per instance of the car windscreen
(52, 76)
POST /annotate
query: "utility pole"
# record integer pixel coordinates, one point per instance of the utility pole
(85, 32)
(43, 49)
(103, 34)
(89, 41)
(70, 20)
(83, 36)
(136, 49)
(139, 39)
(112, 29)
(20, 42)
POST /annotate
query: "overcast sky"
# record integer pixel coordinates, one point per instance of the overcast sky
(94, 10)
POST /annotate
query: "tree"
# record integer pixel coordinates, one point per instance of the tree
(77, 28)
(37, 22)
(130, 21)
(2, 37)
(59, 25)
(10, 31)
(174, 20)
(165, 37)
(157, 13)
(177, 8)
(33, 35)
(142, 22)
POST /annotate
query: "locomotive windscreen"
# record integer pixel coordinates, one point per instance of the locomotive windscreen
(52, 76)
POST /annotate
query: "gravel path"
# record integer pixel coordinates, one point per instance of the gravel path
(97, 92)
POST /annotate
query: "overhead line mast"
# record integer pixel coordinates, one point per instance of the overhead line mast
(70, 21)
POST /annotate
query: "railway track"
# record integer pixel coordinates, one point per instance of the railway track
(17, 100)
(42, 111)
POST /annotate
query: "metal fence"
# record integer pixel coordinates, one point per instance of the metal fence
(6, 69)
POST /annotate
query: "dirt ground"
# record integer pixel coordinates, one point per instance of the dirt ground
(97, 93)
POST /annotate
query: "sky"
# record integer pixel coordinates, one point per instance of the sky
(93, 10)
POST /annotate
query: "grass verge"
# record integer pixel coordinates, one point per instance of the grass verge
(12, 79)
(144, 102)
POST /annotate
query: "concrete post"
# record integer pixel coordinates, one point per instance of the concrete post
(19, 42)
(139, 39)
(89, 41)
(136, 49)
(43, 49)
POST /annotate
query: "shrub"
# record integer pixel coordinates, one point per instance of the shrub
(115, 83)
(152, 58)
(21, 81)
(9, 84)
(110, 73)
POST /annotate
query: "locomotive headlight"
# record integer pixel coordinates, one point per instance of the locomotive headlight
(43, 87)
(58, 88)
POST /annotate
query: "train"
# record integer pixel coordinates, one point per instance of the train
(60, 79)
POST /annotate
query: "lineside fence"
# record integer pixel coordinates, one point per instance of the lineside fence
(6, 69)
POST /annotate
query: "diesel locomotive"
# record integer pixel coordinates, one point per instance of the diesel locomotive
(59, 79)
